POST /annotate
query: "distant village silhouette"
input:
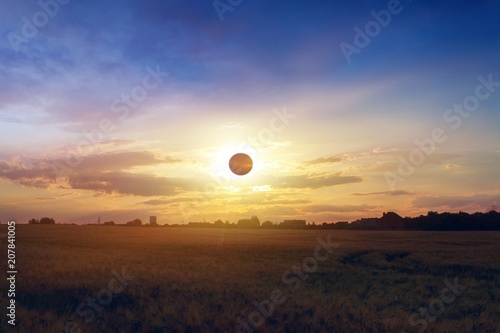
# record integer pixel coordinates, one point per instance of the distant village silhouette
(433, 221)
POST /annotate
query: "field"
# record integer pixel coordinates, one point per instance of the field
(119, 279)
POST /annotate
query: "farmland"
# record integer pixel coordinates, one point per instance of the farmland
(126, 279)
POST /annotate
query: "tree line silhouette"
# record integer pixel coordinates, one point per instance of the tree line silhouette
(43, 220)
(433, 221)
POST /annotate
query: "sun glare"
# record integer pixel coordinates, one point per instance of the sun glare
(221, 158)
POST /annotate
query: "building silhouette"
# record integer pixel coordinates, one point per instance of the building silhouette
(153, 220)
(391, 221)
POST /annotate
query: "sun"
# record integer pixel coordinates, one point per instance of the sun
(240, 164)
(244, 158)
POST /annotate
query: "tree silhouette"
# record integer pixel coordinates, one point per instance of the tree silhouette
(47, 220)
(135, 223)
(267, 224)
(249, 223)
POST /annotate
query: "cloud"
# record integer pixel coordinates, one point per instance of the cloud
(118, 142)
(161, 202)
(450, 166)
(387, 193)
(311, 181)
(453, 202)
(371, 153)
(37, 176)
(324, 160)
(265, 202)
(129, 183)
(99, 172)
(337, 208)
(111, 173)
(121, 161)
(440, 158)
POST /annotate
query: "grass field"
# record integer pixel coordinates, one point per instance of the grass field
(215, 280)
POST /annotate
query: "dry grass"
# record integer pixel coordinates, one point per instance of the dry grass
(202, 280)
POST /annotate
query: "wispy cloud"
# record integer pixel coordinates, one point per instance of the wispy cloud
(122, 161)
(337, 208)
(165, 201)
(324, 160)
(453, 202)
(311, 181)
(386, 193)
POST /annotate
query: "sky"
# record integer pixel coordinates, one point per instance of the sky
(127, 109)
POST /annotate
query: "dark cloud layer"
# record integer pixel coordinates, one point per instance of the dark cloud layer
(104, 173)
(127, 183)
(312, 181)
(37, 176)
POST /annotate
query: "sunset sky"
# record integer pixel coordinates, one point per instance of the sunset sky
(126, 109)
